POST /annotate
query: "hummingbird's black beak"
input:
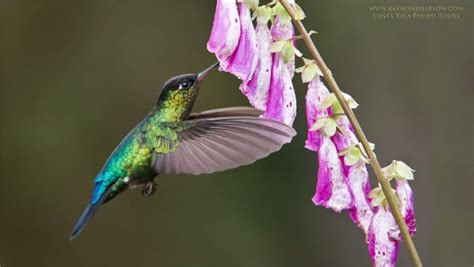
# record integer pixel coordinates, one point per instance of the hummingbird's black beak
(204, 73)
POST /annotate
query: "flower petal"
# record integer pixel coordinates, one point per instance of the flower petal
(281, 104)
(225, 32)
(358, 178)
(258, 86)
(316, 93)
(284, 31)
(361, 211)
(331, 189)
(405, 196)
(243, 61)
(345, 138)
(383, 248)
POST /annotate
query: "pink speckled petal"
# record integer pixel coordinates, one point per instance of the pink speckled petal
(383, 247)
(358, 178)
(316, 93)
(347, 137)
(281, 31)
(243, 61)
(225, 32)
(257, 88)
(405, 195)
(331, 189)
(361, 212)
(281, 104)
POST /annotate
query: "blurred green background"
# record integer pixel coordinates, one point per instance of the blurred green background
(75, 76)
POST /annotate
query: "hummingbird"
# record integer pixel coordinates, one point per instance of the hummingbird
(172, 140)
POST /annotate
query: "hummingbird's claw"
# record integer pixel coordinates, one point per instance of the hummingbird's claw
(149, 188)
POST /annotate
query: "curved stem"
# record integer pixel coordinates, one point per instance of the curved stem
(387, 190)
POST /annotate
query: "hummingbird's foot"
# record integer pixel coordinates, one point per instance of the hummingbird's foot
(149, 188)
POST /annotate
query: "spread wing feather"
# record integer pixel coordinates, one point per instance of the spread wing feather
(222, 139)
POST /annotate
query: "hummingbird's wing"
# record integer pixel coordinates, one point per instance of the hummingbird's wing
(227, 112)
(222, 139)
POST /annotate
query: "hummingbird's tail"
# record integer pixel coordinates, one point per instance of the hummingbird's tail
(90, 210)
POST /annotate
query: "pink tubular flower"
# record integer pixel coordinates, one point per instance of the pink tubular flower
(243, 61)
(405, 196)
(281, 103)
(257, 88)
(358, 178)
(361, 212)
(383, 239)
(266, 78)
(314, 96)
(284, 31)
(225, 32)
(332, 190)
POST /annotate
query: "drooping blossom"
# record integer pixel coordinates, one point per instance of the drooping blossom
(384, 235)
(283, 30)
(243, 61)
(357, 175)
(349, 189)
(281, 103)
(225, 32)
(257, 87)
(266, 77)
(405, 197)
(332, 190)
(383, 238)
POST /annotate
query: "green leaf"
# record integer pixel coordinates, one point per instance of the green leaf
(299, 13)
(318, 124)
(297, 52)
(374, 192)
(404, 171)
(329, 128)
(263, 14)
(277, 46)
(253, 4)
(398, 170)
(285, 18)
(372, 146)
(309, 73)
(362, 149)
(287, 52)
(378, 197)
(354, 156)
(278, 9)
(307, 61)
(336, 108)
(350, 101)
(389, 171)
(345, 151)
(378, 201)
(327, 102)
(300, 69)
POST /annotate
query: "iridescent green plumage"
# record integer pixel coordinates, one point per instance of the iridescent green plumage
(131, 161)
(172, 140)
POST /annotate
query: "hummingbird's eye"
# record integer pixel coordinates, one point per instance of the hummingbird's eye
(184, 85)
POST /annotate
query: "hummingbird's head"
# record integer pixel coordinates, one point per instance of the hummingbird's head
(181, 91)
